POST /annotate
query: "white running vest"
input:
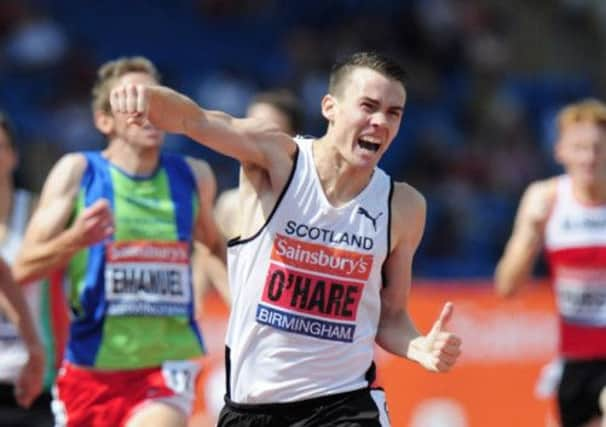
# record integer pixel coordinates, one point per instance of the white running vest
(306, 291)
(13, 354)
(575, 240)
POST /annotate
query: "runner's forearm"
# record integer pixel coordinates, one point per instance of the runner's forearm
(395, 333)
(38, 260)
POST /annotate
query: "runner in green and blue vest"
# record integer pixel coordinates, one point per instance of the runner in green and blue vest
(123, 222)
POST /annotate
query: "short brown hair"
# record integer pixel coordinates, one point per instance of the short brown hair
(375, 61)
(285, 102)
(587, 110)
(109, 72)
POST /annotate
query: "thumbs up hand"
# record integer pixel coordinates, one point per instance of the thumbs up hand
(439, 349)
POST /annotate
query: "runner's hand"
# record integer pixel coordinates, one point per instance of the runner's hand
(94, 224)
(437, 351)
(30, 381)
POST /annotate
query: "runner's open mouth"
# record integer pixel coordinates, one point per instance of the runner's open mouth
(368, 145)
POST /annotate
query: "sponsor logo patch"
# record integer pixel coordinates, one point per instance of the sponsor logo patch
(372, 218)
(321, 258)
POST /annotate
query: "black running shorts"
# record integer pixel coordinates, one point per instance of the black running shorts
(360, 408)
(579, 391)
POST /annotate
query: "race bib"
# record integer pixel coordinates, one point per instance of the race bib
(147, 278)
(313, 290)
(180, 376)
(582, 301)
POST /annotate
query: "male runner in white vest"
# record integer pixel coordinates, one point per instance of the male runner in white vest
(322, 269)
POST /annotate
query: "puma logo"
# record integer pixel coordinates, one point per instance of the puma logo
(372, 219)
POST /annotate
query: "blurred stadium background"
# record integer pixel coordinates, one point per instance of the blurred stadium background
(487, 77)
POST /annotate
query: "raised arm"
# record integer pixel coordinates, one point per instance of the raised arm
(49, 243)
(515, 266)
(397, 333)
(13, 304)
(248, 140)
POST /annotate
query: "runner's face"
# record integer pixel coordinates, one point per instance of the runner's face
(582, 151)
(8, 157)
(367, 116)
(144, 136)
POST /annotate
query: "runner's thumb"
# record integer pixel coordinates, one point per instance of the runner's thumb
(444, 318)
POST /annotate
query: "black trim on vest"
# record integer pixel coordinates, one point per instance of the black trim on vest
(389, 200)
(371, 374)
(227, 372)
(237, 241)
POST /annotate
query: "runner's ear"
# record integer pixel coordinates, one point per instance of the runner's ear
(328, 107)
(104, 122)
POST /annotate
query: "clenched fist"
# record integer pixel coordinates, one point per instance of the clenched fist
(165, 108)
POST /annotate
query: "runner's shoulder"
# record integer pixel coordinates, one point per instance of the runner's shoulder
(69, 168)
(543, 191)
(406, 198)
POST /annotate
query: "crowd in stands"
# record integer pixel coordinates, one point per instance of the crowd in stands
(485, 80)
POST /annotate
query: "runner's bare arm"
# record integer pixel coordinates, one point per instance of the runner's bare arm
(207, 231)
(210, 255)
(515, 266)
(49, 243)
(396, 329)
(209, 271)
(397, 333)
(13, 304)
(248, 140)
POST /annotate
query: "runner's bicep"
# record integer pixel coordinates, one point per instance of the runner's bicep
(526, 237)
(409, 210)
(397, 278)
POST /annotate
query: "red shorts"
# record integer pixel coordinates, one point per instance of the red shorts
(84, 397)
